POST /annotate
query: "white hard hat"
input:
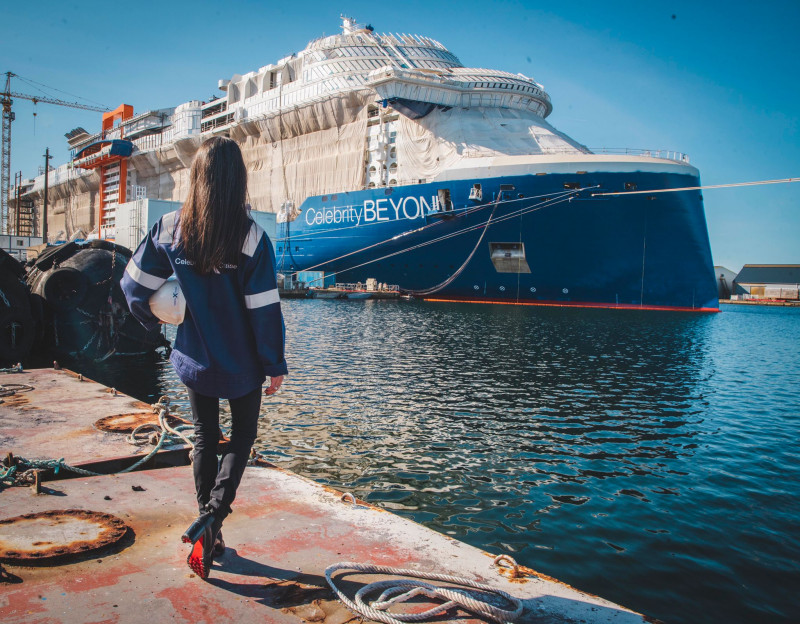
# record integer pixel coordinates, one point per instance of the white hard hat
(168, 303)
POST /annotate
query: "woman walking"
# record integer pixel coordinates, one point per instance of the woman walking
(232, 336)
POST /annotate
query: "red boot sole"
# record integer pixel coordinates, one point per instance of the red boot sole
(195, 560)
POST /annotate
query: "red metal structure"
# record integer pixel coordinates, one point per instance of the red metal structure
(110, 157)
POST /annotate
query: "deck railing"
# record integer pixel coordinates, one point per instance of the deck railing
(628, 151)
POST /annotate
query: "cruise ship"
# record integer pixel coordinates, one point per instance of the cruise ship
(382, 156)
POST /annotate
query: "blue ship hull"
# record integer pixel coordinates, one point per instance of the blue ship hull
(567, 247)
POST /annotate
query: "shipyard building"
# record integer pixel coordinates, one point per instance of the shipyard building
(767, 281)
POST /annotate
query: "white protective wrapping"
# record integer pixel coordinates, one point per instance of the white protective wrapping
(310, 150)
(428, 146)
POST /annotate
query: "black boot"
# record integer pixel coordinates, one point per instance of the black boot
(202, 534)
(219, 546)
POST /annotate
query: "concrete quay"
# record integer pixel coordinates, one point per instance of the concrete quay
(108, 549)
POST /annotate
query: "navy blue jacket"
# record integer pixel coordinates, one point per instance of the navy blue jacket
(232, 336)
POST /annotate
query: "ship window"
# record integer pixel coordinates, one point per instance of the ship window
(393, 153)
(572, 185)
(334, 197)
(324, 198)
(392, 182)
(372, 169)
(393, 168)
(371, 185)
(630, 186)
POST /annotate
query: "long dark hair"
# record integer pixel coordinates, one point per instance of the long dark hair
(214, 220)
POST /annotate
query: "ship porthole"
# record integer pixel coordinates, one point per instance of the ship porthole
(533, 288)
(502, 289)
(565, 290)
(476, 287)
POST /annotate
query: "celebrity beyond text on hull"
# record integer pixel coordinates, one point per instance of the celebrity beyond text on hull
(384, 157)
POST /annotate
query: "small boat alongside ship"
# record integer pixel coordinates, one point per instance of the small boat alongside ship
(382, 156)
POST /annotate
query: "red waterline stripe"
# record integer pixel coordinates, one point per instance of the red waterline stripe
(576, 304)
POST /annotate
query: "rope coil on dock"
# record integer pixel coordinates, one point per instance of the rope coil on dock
(11, 389)
(394, 591)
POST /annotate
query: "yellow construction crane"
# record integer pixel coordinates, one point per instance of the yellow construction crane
(8, 116)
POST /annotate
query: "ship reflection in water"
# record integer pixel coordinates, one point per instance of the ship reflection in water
(637, 456)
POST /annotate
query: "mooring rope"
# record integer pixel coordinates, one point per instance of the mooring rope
(466, 230)
(394, 591)
(162, 407)
(450, 279)
(699, 188)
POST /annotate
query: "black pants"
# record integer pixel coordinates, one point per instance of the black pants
(216, 483)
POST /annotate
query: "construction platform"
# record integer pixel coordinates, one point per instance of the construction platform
(108, 548)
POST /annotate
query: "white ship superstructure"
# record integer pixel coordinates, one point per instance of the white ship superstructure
(382, 156)
(323, 120)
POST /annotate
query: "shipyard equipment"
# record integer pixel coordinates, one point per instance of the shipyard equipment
(8, 116)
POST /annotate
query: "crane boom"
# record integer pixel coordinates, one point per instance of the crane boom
(46, 100)
(8, 116)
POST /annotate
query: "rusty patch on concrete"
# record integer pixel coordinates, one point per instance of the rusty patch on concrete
(310, 602)
(126, 423)
(16, 400)
(57, 535)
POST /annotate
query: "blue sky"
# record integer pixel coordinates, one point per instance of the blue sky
(718, 81)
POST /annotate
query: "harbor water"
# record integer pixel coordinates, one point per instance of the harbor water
(650, 458)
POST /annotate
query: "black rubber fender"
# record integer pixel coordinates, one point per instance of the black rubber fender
(55, 254)
(17, 333)
(40, 319)
(109, 246)
(10, 265)
(64, 288)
